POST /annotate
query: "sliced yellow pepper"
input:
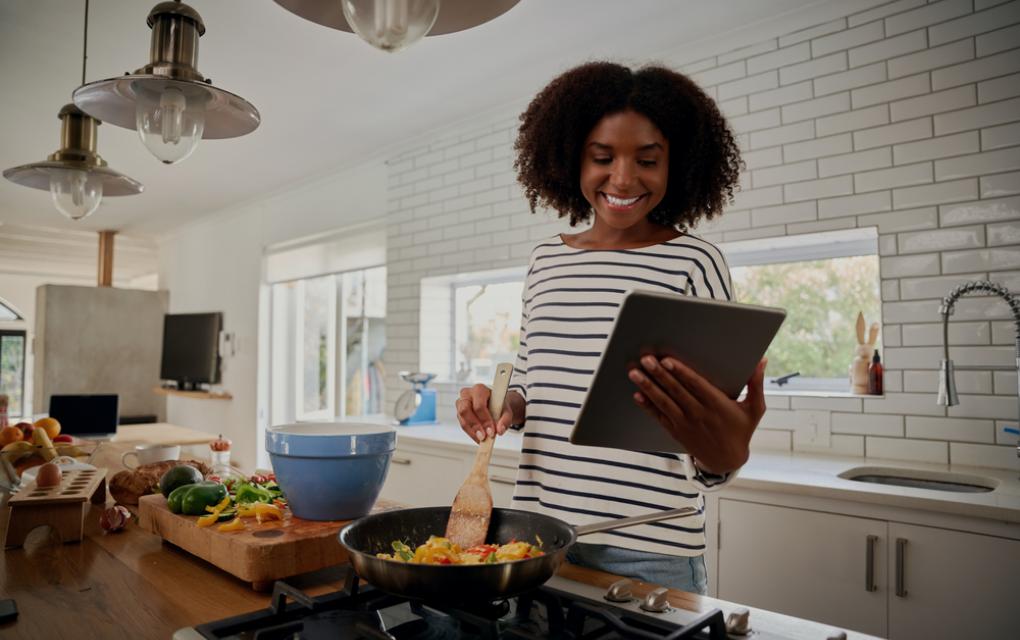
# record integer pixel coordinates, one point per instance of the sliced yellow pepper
(267, 512)
(208, 520)
(246, 510)
(223, 504)
(234, 525)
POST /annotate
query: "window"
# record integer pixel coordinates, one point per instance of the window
(823, 281)
(12, 370)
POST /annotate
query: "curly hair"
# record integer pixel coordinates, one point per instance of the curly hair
(704, 161)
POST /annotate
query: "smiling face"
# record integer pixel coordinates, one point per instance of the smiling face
(624, 169)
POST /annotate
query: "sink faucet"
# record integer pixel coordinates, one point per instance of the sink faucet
(947, 386)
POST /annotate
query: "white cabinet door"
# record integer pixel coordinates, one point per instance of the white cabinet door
(501, 482)
(421, 479)
(804, 563)
(952, 584)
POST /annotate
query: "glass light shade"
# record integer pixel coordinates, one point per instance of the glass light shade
(169, 122)
(391, 25)
(76, 194)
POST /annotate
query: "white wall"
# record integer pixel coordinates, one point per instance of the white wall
(216, 265)
(903, 116)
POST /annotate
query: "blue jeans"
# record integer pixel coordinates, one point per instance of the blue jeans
(676, 572)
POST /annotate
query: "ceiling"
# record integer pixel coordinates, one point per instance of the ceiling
(328, 100)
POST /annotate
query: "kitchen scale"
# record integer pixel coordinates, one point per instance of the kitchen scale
(418, 404)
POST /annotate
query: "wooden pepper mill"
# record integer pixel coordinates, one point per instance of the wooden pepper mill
(862, 356)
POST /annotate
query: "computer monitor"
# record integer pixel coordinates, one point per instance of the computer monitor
(85, 416)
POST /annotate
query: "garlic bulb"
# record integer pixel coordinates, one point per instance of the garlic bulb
(114, 518)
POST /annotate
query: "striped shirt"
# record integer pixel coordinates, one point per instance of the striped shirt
(570, 299)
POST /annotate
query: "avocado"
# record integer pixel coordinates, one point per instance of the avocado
(178, 476)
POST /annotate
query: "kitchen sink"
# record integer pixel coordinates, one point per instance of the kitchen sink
(920, 479)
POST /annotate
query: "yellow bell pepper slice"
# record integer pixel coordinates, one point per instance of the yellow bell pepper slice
(223, 504)
(246, 510)
(234, 525)
(267, 512)
(208, 520)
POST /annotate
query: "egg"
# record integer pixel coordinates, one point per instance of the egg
(48, 476)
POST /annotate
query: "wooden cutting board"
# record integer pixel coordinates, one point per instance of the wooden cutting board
(261, 554)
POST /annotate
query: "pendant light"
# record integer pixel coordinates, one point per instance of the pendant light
(169, 103)
(76, 177)
(392, 25)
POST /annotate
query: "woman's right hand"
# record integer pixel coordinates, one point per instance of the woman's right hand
(473, 414)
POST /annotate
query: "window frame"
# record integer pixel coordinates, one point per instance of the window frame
(23, 334)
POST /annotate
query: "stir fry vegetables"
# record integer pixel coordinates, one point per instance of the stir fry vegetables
(439, 550)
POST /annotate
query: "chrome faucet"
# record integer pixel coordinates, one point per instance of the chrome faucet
(947, 386)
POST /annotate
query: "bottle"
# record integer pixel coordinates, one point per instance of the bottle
(875, 375)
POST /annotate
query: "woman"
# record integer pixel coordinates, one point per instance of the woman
(643, 155)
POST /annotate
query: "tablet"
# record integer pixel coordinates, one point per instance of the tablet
(722, 341)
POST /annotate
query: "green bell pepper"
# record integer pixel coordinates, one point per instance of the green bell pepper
(249, 493)
(192, 499)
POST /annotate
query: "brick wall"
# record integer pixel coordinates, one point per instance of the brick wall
(904, 117)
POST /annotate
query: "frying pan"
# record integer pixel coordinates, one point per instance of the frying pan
(449, 584)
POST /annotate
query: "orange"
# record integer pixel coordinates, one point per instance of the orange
(51, 426)
(9, 435)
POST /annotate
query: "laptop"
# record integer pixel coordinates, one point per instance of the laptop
(92, 416)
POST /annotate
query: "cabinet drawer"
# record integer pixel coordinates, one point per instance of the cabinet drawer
(423, 479)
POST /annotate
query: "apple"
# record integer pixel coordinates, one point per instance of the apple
(26, 428)
(63, 438)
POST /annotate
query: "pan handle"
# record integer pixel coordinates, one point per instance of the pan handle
(620, 523)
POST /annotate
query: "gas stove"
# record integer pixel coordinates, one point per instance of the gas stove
(560, 609)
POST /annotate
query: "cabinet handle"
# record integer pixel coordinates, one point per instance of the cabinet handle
(396, 460)
(901, 552)
(869, 569)
(502, 480)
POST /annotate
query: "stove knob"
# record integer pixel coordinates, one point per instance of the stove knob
(656, 601)
(836, 634)
(620, 591)
(739, 622)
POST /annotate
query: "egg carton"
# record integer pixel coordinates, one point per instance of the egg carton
(61, 506)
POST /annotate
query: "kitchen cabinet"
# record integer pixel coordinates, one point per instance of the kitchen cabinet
(881, 577)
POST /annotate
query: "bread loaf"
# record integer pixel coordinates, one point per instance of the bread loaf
(127, 486)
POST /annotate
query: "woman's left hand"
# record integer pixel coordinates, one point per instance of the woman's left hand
(714, 429)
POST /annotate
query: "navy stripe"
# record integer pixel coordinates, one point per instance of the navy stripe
(563, 369)
(624, 265)
(553, 420)
(597, 496)
(551, 385)
(610, 463)
(654, 283)
(564, 352)
(575, 290)
(609, 516)
(556, 403)
(545, 436)
(622, 483)
(715, 265)
(556, 319)
(578, 304)
(572, 336)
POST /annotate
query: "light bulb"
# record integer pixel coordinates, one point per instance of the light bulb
(169, 122)
(391, 25)
(75, 193)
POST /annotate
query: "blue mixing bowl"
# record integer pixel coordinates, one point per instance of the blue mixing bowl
(330, 471)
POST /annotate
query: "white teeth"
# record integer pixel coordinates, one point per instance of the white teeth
(621, 202)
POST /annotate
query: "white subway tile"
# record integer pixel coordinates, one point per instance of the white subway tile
(853, 120)
(981, 260)
(852, 205)
(839, 445)
(778, 97)
(764, 157)
(754, 234)
(933, 103)
(1002, 184)
(847, 39)
(780, 58)
(896, 221)
(1005, 383)
(785, 213)
(980, 211)
(927, 15)
(974, 24)
(718, 75)
(1006, 135)
(882, 11)
(916, 335)
(850, 79)
(756, 121)
(978, 117)
(914, 358)
(981, 5)
(909, 311)
(900, 266)
(854, 162)
(755, 198)
(904, 449)
(997, 41)
(701, 65)
(731, 219)
(835, 224)
(812, 32)
(813, 68)
(826, 404)
(889, 91)
(771, 440)
(750, 84)
(828, 146)
(936, 287)
(835, 103)
(999, 88)
(782, 135)
(993, 66)
(890, 291)
(1004, 332)
(814, 189)
(938, 193)
(983, 455)
(887, 245)
(747, 52)
(793, 172)
(904, 176)
(955, 429)
(868, 424)
(980, 163)
(889, 48)
(1003, 233)
(933, 148)
(893, 133)
(984, 406)
(933, 58)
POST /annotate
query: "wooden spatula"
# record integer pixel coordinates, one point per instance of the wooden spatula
(472, 508)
